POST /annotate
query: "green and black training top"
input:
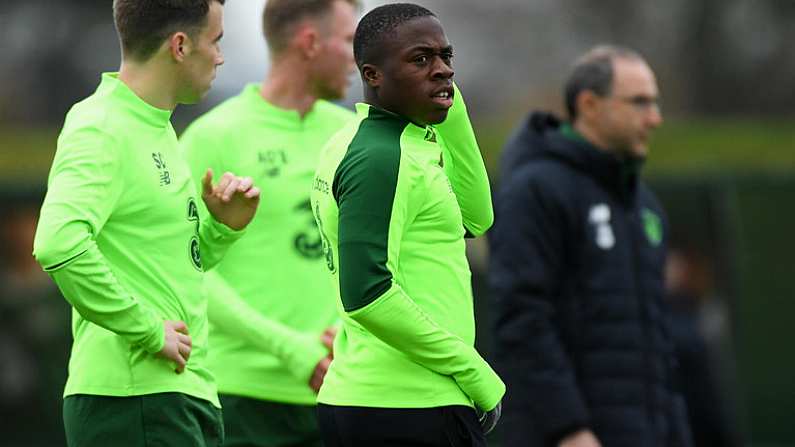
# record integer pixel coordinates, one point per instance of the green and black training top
(394, 202)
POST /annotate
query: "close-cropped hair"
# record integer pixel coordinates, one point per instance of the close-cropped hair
(280, 18)
(378, 25)
(593, 71)
(143, 25)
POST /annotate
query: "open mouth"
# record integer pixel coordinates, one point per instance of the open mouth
(444, 97)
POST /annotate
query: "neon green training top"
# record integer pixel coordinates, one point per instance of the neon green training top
(270, 298)
(119, 232)
(393, 201)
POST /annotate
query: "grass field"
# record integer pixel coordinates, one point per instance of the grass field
(692, 146)
(680, 147)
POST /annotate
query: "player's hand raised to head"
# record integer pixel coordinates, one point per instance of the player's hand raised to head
(233, 201)
(178, 344)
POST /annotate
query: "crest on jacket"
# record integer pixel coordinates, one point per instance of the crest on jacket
(599, 217)
(652, 224)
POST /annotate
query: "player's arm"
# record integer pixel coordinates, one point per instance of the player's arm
(231, 314)
(231, 204)
(529, 240)
(83, 189)
(226, 207)
(464, 166)
(373, 209)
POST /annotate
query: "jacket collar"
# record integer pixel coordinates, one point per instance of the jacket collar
(618, 175)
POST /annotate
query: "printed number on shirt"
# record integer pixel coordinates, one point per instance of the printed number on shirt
(328, 251)
(308, 242)
(193, 248)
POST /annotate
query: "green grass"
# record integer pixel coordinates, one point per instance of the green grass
(717, 145)
(26, 154)
(694, 146)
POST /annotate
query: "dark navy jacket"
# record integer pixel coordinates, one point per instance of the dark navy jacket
(582, 339)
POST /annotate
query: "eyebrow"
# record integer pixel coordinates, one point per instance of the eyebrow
(429, 49)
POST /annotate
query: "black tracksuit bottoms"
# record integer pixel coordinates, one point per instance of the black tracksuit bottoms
(450, 426)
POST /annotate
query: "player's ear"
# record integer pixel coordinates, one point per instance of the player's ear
(307, 40)
(179, 45)
(587, 104)
(371, 75)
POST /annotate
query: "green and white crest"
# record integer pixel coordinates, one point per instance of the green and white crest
(652, 224)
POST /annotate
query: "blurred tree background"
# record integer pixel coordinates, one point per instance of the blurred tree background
(723, 163)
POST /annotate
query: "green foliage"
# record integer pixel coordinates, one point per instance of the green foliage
(26, 155)
(723, 145)
(682, 146)
(692, 146)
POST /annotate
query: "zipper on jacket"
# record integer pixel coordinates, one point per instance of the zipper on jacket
(634, 222)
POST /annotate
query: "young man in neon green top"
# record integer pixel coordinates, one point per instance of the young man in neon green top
(394, 195)
(120, 234)
(270, 299)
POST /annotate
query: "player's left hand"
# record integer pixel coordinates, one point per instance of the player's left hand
(233, 201)
(316, 381)
(327, 338)
(488, 419)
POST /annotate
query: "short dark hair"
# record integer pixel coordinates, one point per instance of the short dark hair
(280, 16)
(143, 25)
(378, 25)
(593, 71)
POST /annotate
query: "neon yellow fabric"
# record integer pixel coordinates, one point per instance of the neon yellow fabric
(393, 228)
(270, 298)
(120, 234)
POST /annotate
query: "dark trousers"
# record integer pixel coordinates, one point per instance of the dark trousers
(451, 426)
(163, 419)
(260, 423)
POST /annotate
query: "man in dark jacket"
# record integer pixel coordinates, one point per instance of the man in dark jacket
(578, 251)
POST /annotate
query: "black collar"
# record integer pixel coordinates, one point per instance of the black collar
(618, 175)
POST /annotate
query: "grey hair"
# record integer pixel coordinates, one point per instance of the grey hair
(593, 71)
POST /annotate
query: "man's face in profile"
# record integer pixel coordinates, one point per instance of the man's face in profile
(200, 65)
(630, 112)
(334, 64)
